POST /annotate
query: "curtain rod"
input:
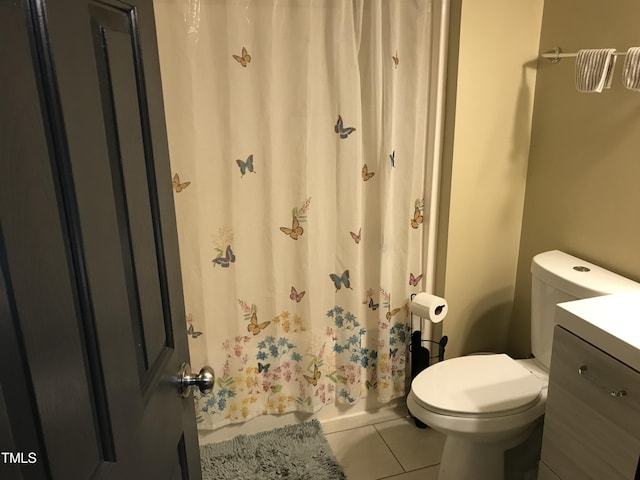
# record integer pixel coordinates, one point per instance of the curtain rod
(556, 55)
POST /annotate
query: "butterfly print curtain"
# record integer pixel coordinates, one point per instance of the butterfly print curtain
(297, 132)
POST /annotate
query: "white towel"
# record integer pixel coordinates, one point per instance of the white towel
(631, 70)
(594, 69)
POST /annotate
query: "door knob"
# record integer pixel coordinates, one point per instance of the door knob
(203, 380)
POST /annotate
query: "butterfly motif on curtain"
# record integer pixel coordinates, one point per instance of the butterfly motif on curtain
(191, 331)
(396, 60)
(417, 218)
(392, 313)
(255, 327)
(358, 237)
(316, 376)
(373, 306)
(413, 281)
(295, 295)
(344, 132)
(177, 186)
(226, 260)
(295, 231)
(366, 175)
(263, 368)
(341, 280)
(393, 159)
(244, 59)
(246, 165)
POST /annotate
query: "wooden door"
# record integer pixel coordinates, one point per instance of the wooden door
(92, 324)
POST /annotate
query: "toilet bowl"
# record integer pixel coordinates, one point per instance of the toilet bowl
(485, 405)
(488, 404)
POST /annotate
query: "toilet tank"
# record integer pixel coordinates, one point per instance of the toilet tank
(559, 277)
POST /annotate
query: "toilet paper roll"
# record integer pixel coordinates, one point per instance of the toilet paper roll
(428, 306)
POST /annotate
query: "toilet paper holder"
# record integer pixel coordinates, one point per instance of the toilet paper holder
(420, 356)
(436, 338)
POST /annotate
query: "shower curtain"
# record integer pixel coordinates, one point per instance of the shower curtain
(298, 133)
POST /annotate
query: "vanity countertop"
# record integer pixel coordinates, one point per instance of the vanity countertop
(610, 322)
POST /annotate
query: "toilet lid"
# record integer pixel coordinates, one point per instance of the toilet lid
(477, 384)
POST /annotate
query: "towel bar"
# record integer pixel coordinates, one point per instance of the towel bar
(557, 54)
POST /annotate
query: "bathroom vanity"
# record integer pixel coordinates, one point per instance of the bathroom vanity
(592, 418)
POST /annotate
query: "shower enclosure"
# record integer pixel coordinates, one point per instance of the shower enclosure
(304, 145)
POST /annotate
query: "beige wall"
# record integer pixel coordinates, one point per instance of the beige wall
(485, 165)
(583, 183)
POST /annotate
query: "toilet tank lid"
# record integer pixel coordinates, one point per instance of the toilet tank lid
(578, 277)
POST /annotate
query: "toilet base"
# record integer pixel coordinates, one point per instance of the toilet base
(464, 460)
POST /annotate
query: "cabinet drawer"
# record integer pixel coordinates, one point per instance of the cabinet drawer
(588, 431)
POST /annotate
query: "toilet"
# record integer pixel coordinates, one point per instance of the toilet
(488, 404)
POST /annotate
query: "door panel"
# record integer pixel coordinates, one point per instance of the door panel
(18, 430)
(97, 281)
(131, 160)
(43, 320)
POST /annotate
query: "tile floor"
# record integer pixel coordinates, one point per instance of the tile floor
(394, 449)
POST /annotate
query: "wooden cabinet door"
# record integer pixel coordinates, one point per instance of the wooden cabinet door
(92, 320)
(592, 418)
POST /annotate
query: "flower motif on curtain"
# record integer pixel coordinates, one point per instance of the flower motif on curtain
(289, 323)
(351, 356)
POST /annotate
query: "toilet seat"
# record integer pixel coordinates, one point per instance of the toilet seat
(479, 385)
